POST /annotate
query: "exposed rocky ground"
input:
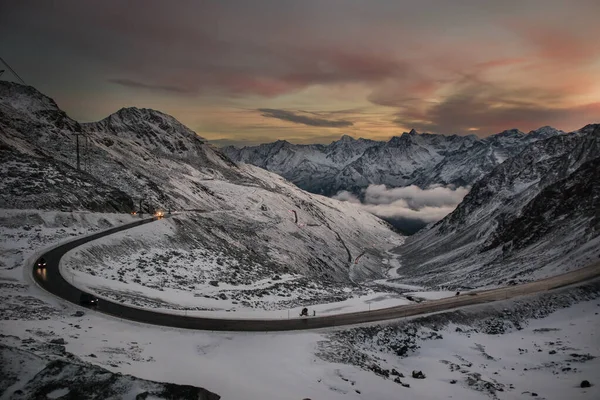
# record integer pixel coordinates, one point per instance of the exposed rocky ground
(45, 184)
(26, 375)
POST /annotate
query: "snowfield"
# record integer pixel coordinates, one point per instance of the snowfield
(246, 260)
(331, 364)
(23, 231)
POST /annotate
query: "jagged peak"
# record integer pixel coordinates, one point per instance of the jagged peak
(544, 132)
(509, 133)
(395, 140)
(347, 138)
(413, 132)
(544, 128)
(277, 145)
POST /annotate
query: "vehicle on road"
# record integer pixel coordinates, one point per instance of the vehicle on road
(87, 299)
(41, 263)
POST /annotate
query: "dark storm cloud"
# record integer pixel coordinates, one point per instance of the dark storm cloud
(303, 119)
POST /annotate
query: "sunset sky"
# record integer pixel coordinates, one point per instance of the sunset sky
(248, 71)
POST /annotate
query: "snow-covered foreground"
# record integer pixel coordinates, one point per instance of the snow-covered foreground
(25, 232)
(506, 351)
(291, 365)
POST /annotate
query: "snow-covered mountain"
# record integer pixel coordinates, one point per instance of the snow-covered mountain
(412, 158)
(241, 212)
(37, 158)
(535, 214)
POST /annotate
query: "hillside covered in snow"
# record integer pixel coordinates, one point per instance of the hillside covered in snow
(242, 216)
(410, 159)
(536, 214)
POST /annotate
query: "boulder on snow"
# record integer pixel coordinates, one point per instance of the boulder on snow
(214, 283)
(380, 371)
(418, 375)
(58, 341)
(397, 380)
(585, 384)
(394, 372)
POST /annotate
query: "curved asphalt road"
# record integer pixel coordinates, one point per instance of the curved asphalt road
(54, 283)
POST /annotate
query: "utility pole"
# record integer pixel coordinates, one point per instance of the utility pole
(77, 149)
(86, 159)
(78, 163)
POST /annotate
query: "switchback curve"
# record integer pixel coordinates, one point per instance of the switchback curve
(53, 282)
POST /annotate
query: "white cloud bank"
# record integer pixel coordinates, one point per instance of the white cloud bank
(410, 202)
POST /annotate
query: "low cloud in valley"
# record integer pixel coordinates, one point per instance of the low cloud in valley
(408, 206)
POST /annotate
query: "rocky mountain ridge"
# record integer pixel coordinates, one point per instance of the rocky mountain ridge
(534, 215)
(410, 159)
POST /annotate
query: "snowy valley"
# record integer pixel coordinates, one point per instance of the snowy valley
(239, 241)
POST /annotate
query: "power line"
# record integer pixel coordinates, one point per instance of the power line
(12, 70)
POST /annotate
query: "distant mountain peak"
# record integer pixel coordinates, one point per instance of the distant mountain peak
(412, 158)
(544, 132)
(514, 132)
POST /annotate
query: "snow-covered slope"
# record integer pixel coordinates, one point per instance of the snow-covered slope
(37, 158)
(246, 213)
(532, 350)
(311, 167)
(535, 214)
(412, 158)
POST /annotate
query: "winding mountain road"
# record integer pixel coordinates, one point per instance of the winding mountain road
(52, 281)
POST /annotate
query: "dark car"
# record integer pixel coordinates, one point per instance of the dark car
(40, 264)
(87, 299)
